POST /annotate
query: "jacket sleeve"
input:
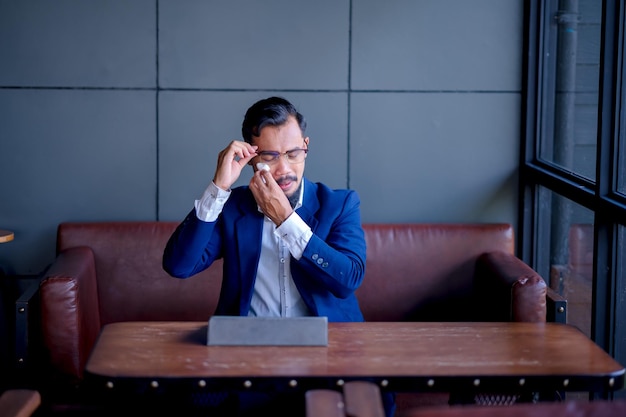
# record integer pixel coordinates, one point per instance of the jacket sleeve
(334, 258)
(192, 247)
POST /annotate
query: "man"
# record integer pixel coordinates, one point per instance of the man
(290, 247)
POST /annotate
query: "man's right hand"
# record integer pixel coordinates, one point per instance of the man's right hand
(231, 161)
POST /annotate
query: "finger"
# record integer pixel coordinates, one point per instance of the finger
(246, 150)
(239, 149)
(257, 178)
(246, 159)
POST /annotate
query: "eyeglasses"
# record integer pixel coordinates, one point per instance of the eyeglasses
(294, 156)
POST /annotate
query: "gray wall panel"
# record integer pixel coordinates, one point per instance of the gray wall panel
(277, 44)
(72, 155)
(437, 45)
(73, 43)
(407, 147)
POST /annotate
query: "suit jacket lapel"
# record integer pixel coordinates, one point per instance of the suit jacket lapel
(310, 204)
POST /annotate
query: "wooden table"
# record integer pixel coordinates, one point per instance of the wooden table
(400, 356)
(6, 236)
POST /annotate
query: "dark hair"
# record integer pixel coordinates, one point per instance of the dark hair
(272, 111)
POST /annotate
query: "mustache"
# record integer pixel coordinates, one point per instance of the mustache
(286, 178)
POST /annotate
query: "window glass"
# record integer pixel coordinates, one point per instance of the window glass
(620, 173)
(621, 152)
(567, 236)
(571, 120)
(620, 312)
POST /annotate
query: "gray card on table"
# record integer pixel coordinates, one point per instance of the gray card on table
(269, 331)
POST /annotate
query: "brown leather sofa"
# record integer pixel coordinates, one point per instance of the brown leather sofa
(111, 271)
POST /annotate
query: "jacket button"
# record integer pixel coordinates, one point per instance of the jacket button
(315, 256)
(320, 260)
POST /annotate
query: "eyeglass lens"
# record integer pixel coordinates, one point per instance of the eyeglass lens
(293, 156)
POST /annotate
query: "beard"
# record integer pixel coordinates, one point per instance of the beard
(295, 197)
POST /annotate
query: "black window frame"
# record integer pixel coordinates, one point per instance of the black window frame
(599, 196)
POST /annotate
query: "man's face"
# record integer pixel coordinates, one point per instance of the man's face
(286, 169)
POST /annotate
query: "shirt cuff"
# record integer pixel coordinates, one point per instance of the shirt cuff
(296, 234)
(209, 207)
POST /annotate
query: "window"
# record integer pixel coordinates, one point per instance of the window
(568, 139)
(621, 150)
(620, 301)
(573, 161)
(566, 234)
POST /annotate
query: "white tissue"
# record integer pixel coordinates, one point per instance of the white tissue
(261, 166)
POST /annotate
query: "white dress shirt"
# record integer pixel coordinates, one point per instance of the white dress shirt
(275, 294)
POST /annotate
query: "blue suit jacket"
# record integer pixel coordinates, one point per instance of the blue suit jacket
(331, 268)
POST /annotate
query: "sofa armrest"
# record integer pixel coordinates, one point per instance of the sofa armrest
(556, 307)
(508, 289)
(70, 317)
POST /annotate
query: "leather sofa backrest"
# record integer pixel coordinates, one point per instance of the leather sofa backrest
(413, 272)
(425, 272)
(131, 283)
